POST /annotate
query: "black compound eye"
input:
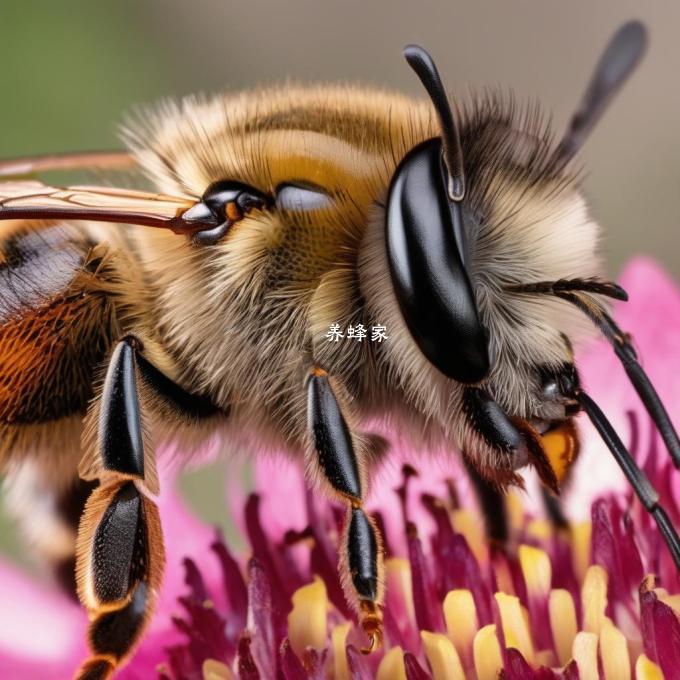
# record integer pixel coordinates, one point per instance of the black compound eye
(231, 200)
(559, 383)
(223, 204)
(427, 269)
(302, 197)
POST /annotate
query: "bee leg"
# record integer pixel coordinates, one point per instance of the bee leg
(492, 504)
(361, 545)
(119, 553)
(554, 510)
(498, 433)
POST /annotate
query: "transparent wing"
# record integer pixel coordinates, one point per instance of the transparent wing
(101, 160)
(32, 200)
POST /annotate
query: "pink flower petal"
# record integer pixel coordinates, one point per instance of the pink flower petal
(284, 509)
(414, 671)
(661, 631)
(41, 630)
(652, 316)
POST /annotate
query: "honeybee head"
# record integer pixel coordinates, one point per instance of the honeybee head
(426, 244)
(429, 223)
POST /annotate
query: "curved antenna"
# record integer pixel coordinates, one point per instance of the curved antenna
(618, 61)
(423, 64)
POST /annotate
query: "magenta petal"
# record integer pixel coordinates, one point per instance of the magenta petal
(605, 546)
(291, 666)
(661, 631)
(570, 671)
(563, 567)
(324, 558)
(235, 588)
(517, 668)
(464, 572)
(425, 600)
(261, 545)
(414, 671)
(180, 661)
(247, 668)
(207, 629)
(264, 642)
(357, 664)
(198, 649)
(194, 580)
(184, 534)
(294, 669)
(397, 631)
(316, 662)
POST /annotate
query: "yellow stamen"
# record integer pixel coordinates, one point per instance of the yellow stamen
(339, 644)
(215, 670)
(614, 653)
(442, 657)
(503, 577)
(580, 548)
(307, 620)
(673, 601)
(469, 525)
(562, 623)
(460, 614)
(398, 579)
(546, 657)
(487, 653)
(585, 654)
(515, 627)
(392, 666)
(647, 670)
(540, 529)
(536, 569)
(594, 598)
(515, 510)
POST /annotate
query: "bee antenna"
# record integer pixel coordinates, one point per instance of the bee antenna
(422, 63)
(618, 61)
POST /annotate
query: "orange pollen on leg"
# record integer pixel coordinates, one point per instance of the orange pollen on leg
(97, 667)
(371, 623)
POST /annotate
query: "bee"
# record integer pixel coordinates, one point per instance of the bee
(127, 316)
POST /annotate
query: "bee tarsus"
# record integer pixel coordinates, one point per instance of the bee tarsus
(361, 545)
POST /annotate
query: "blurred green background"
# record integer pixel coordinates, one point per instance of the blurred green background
(72, 69)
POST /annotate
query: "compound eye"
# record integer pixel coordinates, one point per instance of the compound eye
(559, 384)
(301, 197)
(430, 281)
(224, 203)
(232, 200)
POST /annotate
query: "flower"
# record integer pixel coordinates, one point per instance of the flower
(558, 604)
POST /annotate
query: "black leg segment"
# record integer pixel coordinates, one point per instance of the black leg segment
(361, 547)
(492, 504)
(120, 547)
(332, 439)
(120, 426)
